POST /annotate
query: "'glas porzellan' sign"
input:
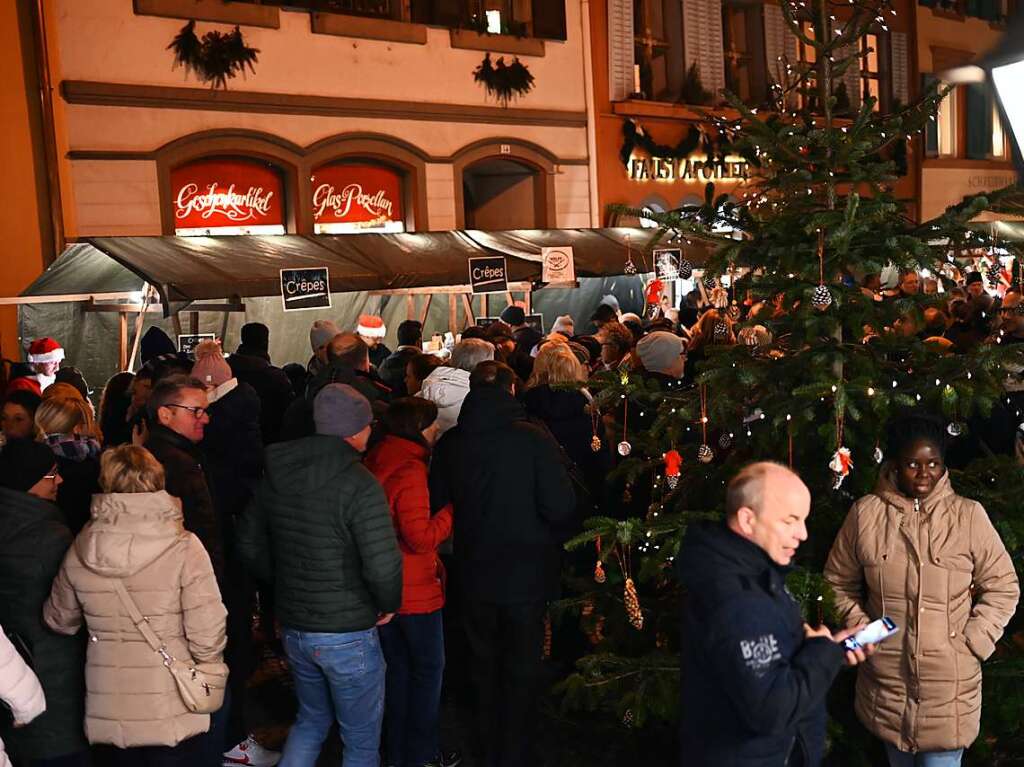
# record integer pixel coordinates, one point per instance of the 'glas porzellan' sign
(305, 288)
(227, 196)
(357, 198)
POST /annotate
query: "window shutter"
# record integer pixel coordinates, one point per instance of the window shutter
(779, 42)
(900, 67)
(549, 19)
(702, 43)
(979, 122)
(851, 77)
(620, 49)
(931, 130)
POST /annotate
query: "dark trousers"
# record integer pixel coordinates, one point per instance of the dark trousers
(186, 754)
(506, 644)
(240, 653)
(77, 759)
(414, 651)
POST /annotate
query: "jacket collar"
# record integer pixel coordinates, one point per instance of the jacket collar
(223, 390)
(711, 550)
(160, 433)
(19, 510)
(889, 491)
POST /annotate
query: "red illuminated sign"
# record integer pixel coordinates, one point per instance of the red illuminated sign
(226, 193)
(359, 196)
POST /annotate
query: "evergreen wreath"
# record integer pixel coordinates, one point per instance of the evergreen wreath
(216, 58)
(635, 137)
(504, 81)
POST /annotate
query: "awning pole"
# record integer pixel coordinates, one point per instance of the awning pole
(139, 321)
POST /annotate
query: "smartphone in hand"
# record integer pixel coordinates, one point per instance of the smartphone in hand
(873, 633)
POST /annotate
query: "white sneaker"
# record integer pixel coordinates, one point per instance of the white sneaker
(251, 754)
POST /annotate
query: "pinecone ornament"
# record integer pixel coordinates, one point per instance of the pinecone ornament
(630, 267)
(627, 718)
(705, 454)
(725, 441)
(821, 298)
(710, 282)
(595, 443)
(636, 617)
(685, 269)
(721, 330)
(994, 273)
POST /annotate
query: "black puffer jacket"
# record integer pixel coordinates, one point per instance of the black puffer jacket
(753, 687)
(80, 480)
(512, 496)
(320, 530)
(565, 413)
(233, 448)
(33, 541)
(298, 420)
(271, 384)
(183, 464)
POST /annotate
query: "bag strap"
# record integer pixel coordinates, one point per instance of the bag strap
(141, 622)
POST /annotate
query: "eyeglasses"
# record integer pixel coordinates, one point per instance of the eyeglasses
(197, 412)
(52, 475)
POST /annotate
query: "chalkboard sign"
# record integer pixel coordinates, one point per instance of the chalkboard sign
(188, 343)
(488, 274)
(305, 289)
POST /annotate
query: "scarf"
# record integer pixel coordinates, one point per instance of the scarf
(74, 447)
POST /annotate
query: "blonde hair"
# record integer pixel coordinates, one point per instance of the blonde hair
(555, 364)
(130, 469)
(62, 414)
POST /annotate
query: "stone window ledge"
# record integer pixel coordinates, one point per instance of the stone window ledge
(472, 40)
(211, 10)
(369, 29)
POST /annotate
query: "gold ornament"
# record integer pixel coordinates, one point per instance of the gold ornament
(599, 576)
(595, 443)
(636, 617)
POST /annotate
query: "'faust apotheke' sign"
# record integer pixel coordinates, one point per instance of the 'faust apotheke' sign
(305, 288)
(693, 168)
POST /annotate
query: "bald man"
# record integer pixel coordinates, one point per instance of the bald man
(754, 674)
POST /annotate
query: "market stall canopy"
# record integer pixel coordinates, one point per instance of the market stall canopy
(185, 269)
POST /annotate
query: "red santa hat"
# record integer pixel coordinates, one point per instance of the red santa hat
(371, 326)
(45, 350)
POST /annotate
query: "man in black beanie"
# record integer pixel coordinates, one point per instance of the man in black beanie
(251, 365)
(410, 344)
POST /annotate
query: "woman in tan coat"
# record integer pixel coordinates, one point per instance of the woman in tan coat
(136, 535)
(932, 561)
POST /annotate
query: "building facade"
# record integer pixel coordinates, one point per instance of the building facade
(658, 64)
(966, 149)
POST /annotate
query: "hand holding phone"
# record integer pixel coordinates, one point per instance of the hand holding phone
(873, 633)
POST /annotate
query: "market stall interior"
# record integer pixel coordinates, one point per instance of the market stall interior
(103, 293)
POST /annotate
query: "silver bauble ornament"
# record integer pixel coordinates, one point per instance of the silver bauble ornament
(821, 298)
(955, 429)
(624, 448)
(877, 455)
(705, 454)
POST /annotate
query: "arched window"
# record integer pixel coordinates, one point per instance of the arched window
(227, 195)
(353, 196)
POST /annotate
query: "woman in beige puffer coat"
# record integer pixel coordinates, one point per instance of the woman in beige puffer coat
(19, 689)
(931, 560)
(136, 535)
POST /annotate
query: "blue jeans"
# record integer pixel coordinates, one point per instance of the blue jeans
(899, 758)
(337, 677)
(414, 650)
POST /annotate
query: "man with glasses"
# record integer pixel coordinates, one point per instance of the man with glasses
(177, 416)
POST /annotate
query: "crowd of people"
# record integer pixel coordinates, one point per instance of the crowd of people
(396, 518)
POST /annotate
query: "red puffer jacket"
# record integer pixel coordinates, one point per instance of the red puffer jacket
(400, 465)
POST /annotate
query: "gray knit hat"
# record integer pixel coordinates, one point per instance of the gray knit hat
(321, 333)
(341, 411)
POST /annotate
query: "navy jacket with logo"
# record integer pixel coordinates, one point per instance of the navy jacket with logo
(753, 688)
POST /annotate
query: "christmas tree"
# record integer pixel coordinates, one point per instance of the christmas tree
(815, 392)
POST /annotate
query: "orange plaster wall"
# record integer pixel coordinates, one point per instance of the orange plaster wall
(20, 219)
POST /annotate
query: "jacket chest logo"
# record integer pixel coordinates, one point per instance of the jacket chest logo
(760, 653)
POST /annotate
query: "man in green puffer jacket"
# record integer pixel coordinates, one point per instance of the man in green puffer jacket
(320, 530)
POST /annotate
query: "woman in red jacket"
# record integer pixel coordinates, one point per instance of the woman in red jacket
(413, 641)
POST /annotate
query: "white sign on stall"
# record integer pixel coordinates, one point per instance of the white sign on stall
(559, 264)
